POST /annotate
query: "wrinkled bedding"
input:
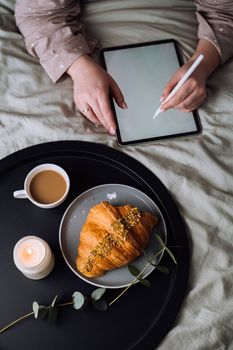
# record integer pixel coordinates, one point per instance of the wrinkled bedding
(197, 171)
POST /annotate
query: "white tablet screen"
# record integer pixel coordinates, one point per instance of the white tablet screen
(142, 72)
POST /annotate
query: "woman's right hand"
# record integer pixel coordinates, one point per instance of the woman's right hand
(92, 87)
(192, 94)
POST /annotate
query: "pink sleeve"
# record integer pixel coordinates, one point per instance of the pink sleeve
(52, 32)
(215, 18)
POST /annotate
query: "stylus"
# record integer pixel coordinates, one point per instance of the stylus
(180, 83)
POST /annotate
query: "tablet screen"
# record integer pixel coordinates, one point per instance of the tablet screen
(142, 71)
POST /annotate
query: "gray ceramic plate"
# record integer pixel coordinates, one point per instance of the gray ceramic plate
(76, 214)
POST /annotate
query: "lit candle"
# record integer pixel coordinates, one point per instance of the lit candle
(33, 257)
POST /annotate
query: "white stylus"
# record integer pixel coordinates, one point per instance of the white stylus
(181, 82)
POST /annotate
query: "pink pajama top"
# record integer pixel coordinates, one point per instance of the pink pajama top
(53, 32)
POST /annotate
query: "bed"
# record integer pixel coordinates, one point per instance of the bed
(196, 171)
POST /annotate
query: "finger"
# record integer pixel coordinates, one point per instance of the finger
(116, 93)
(192, 102)
(169, 87)
(93, 114)
(96, 110)
(180, 96)
(89, 114)
(107, 113)
(86, 110)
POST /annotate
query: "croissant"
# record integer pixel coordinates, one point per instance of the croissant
(111, 237)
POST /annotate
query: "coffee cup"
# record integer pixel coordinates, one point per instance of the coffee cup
(46, 185)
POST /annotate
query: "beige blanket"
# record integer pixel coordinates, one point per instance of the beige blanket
(197, 171)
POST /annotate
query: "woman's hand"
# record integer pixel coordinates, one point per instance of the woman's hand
(193, 92)
(92, 87)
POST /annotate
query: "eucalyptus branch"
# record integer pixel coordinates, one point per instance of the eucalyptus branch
(137, 277)
(16, 321)
(80, 301)
(66, 304)
(30, 314)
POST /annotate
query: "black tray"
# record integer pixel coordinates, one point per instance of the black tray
(138, 320)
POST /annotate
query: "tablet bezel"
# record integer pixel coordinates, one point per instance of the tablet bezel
(156, 138)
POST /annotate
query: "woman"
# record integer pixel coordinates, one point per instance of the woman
(52, 32)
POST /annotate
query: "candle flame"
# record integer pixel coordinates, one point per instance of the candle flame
(29, 251)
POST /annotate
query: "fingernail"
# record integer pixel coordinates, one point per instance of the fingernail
(161, 99)
(124, 105)
(162, 110)
(112, 131)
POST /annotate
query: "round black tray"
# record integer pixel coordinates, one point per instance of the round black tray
(138, 320)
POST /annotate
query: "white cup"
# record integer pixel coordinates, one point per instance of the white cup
(25, 193)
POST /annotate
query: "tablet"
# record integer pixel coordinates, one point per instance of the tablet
(142, 71)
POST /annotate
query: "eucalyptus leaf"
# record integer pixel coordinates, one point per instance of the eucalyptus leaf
(35, 308)
(145, 282)
(100, 304)
(150, 261)
(54, 301)
(162, 269)
(80, 301)
(165, 248)
(146, 256)
(161, 242)
(133, 270)
(52, 317)
(171, 255)
(43, 311)
(98, 293)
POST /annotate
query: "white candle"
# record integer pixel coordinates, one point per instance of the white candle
(33, 257)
